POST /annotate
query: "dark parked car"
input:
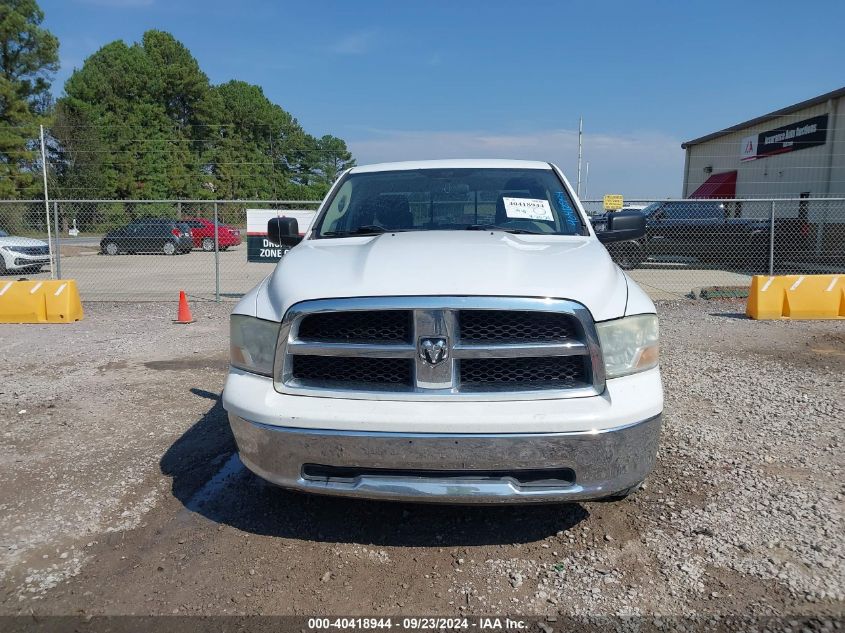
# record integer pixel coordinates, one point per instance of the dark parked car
(703, 230)
(149, 235)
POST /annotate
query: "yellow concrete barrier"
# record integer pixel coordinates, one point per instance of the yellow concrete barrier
(39, 301)
(796, 297)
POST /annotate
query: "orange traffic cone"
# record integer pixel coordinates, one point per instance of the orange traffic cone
(184, 313)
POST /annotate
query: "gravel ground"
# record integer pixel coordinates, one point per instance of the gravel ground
(120, 492)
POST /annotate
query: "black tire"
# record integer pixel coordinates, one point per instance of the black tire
(207, 244)
(627, 255)
(111, 248)
(169, 248)
(3, 270)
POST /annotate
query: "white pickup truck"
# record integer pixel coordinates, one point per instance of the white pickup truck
(448, 331)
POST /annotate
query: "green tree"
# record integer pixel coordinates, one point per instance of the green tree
(259, 149)
(145, 106)
(332, 158)
(78, 162)
(143, 121)
(29, 55)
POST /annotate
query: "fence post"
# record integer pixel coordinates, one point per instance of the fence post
(820, 228)
(58, 252)
(179, 210)
(216, 256)
(772, 240)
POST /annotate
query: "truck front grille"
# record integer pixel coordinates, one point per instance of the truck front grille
(440, 348)
(349, 370)
(364, 326)
(554, 372)
(514, 326)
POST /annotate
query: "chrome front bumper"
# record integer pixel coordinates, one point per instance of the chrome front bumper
(438, 467)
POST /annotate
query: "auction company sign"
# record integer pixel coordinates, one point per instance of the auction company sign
(788, 138)
(258, 248)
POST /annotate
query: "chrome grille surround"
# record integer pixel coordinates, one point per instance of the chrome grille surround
(438, 316)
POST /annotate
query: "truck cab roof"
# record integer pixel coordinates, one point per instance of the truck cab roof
(453, 163)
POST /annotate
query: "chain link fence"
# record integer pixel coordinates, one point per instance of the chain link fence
(151, 249)
(136, 250)
(717, 244)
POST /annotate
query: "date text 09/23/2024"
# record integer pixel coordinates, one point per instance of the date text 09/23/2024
(417, 623)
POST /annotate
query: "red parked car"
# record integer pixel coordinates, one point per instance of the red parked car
(202, 231)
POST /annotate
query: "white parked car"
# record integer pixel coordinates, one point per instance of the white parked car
(448, 331)
(22, 254)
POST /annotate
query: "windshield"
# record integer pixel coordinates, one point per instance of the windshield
(3, 234)
(514, 200)
(654, 206)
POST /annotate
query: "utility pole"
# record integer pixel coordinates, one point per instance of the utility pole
(47, 207)
(580, 134)
(586, 178)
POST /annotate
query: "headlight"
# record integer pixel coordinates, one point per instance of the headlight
(252, 344)
(629, 345)
(16, 249)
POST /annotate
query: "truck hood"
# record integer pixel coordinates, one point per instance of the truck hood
(479, 263)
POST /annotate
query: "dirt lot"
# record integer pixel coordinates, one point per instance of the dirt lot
(120, 492)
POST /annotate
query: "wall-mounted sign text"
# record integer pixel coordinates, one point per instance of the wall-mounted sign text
(258, 249)
(787, 138)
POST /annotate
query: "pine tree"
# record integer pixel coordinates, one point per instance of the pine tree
(29, 56)
(145, 118)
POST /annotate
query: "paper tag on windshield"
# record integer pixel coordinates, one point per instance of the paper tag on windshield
(528, 209)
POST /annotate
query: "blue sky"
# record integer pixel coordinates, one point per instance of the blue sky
(406, 80)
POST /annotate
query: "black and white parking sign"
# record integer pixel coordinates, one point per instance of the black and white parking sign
(258, 248)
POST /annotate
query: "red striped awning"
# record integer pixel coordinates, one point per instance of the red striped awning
(722, 185)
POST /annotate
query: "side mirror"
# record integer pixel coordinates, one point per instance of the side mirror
(283, 231)
(623, 226)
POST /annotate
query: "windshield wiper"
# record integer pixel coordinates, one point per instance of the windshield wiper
(493, 227)
(367, 229)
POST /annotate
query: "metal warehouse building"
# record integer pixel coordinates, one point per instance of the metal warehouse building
(798, 151)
